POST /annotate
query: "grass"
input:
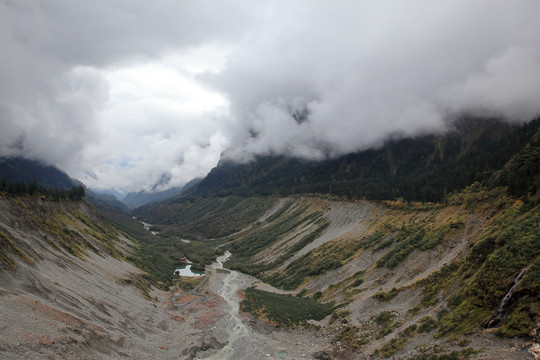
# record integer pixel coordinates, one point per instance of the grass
(510, 244)
(471, 287)
(352, 336)
(426, 324)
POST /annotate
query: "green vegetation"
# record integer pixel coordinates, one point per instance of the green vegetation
(283, 310)
(391, 347)
(509, 244)
(321, 223)
(7, 247)
(386, 322)
(437, 280)
(425, 168)
(274, 229)
(410, 330)
(32, 174)
(69, 226)
(410, 238)
(188, 283)
(260, 239)
(372, 239)
(159, 256)
(32, 188)
(386, 295)
(351, 335)
(471, 172)
(426, 324)
(201, 218)
(328, 256)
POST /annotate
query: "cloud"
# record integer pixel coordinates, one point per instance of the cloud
(508, 86)
(107, 90)
(366, 71)
(123, 94)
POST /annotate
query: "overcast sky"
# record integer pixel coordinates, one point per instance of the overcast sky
(124, 94)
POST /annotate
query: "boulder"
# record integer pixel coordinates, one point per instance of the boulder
(322, 355)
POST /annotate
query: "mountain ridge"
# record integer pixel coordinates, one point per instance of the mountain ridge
(18, 169)
(424, 168)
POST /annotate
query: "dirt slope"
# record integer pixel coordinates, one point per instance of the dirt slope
(56, 305)
(359, 280)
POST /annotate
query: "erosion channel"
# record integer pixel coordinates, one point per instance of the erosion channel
(242, 340)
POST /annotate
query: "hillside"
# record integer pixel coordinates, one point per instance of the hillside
(23, 176)
(324, 274)
(141, 198)
(424, 168)
(15, 169)
(106, 203)
(67, 291)
(137, 199)
(453, 279)
(403, 275)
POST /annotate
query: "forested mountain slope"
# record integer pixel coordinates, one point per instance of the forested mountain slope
(425, 168)
(456, 278)
(402, 275)
(15, 169)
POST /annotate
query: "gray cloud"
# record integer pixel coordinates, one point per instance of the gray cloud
(366, 70)
(122, 93)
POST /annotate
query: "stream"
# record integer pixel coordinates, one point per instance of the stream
(242, 342)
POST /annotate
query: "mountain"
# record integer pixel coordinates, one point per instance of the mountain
(106, 203)
(68, 291)
(34, 173)
(336, 260)
(17, 169)
(402, 276)
(407, 279)
(424, 168)
(141, 198)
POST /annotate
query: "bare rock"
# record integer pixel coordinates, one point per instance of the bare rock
(322, 355)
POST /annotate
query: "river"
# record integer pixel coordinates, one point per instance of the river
(242, 341)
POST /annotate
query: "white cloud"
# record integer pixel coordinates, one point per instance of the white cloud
(122, 93)
(158, 121)
(508, 86)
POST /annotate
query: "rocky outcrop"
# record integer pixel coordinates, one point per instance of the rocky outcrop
(207, 344)
(322, 355)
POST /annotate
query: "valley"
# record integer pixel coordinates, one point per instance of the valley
(249, 180)
(407, 263)
(392, 271)
(330, 273)
(95, 305)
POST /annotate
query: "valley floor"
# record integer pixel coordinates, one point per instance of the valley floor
(83, 311)
(88, 304)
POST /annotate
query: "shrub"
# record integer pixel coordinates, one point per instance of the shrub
(386, 295)
(283, 310)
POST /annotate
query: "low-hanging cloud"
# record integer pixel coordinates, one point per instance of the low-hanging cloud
(365, 71)
(125, 94)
